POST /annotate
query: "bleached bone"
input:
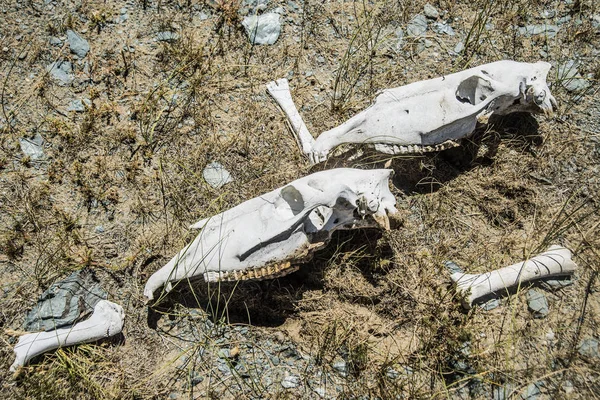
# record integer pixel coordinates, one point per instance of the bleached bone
(267, 236)
(107, 320)
(556, 261)
(429, 115)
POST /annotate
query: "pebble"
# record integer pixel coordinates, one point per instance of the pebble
(99, 229)
(167, 36)
(341, 367)
(440, 28)
(392, 373)
(502, 392)
(320, 391)
(460, 46)
(62, 71)
(589, 348)
(490, 305)
(79, 105)
(537, 303)
(290, 381)
(262, 29)
(77, 44)
(549, 31)
(531, 392)
(430, 11)
(554, 284)
(216, 175)
(54, 41)
(546, 14)
(453, 268)
(417, 26)
(569, 77)
(33, 147)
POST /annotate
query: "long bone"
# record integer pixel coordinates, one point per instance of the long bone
(429, 115)
(267, 236)
(554, 262)
(106, 320)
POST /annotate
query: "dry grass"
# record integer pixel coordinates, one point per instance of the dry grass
(132, 162)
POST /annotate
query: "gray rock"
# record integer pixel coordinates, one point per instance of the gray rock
(554, 284)
(569, 77)
(54, 41)
(430, 11)
(531, 392)
(589, 348)
(392, 373)
(440, 28)
(341, 367)
(77, 105)
(262, 29)
(596, 21)
(490, 305)
(66, 302)
(167, 36)
(320, 391)
(77, 44)
(546, 14)
(417, 26)
(460, 46)
(62, 71)
(290, 381)
(549, 31)
(196, 378)
(399, 37)
(257, 5)
(537, 303)
(453, 268)
(563, 20)
(33, 147)
(99, 229)
(502, 392)
(216, 175)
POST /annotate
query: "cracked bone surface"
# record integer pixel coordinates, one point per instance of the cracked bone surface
(554, 262)
(267, 236)
(107, 320)
(429, 115)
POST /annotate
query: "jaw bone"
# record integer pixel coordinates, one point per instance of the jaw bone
(556, 261)
(267, 236)
(107, 320)
(429, 115)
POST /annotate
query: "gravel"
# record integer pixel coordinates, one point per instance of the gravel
(77, 44)
(417, 26)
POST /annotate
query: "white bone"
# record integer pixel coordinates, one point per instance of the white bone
(429, 115)
(556, 261)
(106, 321)
(267, 236)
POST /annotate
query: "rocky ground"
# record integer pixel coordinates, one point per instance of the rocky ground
(122, 123)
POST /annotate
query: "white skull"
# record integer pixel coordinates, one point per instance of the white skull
(267, 236)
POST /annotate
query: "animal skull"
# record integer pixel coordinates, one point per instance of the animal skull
(267, 236)
(107, 320)
(556, 261)
(429, 115)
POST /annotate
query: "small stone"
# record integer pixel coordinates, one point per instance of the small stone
(321, 59)
(502, 392)
(392, 373)
(460, 46)
(428, 43)
(554, 284)
(546, 14)
(537, 303)
(77, 105)
(430, 11)
(320, 391)
(341, 367)
(399, 37)
(99, 229)
(490, 305)
(290, 381)
(417, 26)
(33, 147)
(568, 387)
(549, 31)
(77, 44)
(262, 29)
(531, 392)
(62, 71)
(453, 268)
(196, 378)
(589, 348)
(167, 36)
(216, 175)
(441, 28)
(54, 41)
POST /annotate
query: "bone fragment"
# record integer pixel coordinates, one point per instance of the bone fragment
(107, 320)
(429, 115)
(556, 261)
(268, 236)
